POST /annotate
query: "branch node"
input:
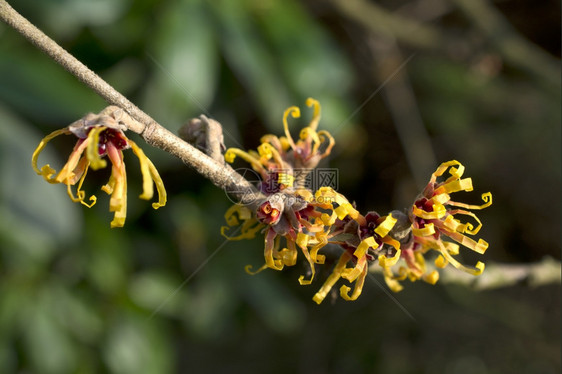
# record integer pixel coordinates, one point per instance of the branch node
(205, 134)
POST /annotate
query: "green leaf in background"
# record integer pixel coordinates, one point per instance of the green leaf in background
(76, 312)
(250, 57)
(67, 17)
(136, 345)
(8, 359)
(41, 89)
(109, 258)
(159, 292)
(278, 309)
(210, 305)
(309, 63)
(50, 348)
(184, 54)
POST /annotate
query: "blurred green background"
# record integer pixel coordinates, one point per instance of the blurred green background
(404, 85)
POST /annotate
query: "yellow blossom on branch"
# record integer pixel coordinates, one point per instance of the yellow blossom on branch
(435, 216)
(101, 136)
(291, 217)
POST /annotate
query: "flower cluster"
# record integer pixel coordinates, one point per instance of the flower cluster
(433, 216)
(294, 218)
(100, 136)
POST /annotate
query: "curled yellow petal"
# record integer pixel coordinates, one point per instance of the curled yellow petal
(456, 173)
(477, 270)
(302, 240)
(147, 186)
(46, 171)
(265, 150)
(351, 274)
(441, 262)
(162, 197)
(486, 197)
(285, 145)
(390, 241)
(323, 135)
(80, 195)
(322, 241)
(386, 262)
(248, 230)
(365, 244)
(328, 219)
(235, 210)
(310, 102)
(305, 194)
(456, 186)
(420, 261)
(432, 277)
(441, 198)
(427, 230)
(231, 154)
(454, 224)
(275, 142)
(341, 211)
(327, 196)
(96, 162)
(344, 290)
(385, 226)
(150, 175)
(269, 249)
(118, 200)
(295, 113)
(248, 269)
(233, 216)
(332, 279)
(308, 133)
(288, 255)
(391, 282)
(452, 248)
(479, 247)
(303, 281)
(438, 212)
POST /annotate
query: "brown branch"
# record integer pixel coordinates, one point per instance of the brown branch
(498, 275)
(139, 122)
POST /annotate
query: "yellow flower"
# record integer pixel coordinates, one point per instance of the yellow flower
(100, 136)
(368, 239)
(288, 219)
(293, 217)
(277, 158)
(434, 216)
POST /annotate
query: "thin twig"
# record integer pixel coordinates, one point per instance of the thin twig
(152, 132)
(498, 275)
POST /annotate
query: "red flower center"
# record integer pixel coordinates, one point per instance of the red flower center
(267, 214)
(112, 136)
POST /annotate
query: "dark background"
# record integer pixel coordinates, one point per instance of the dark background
(404, 86)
